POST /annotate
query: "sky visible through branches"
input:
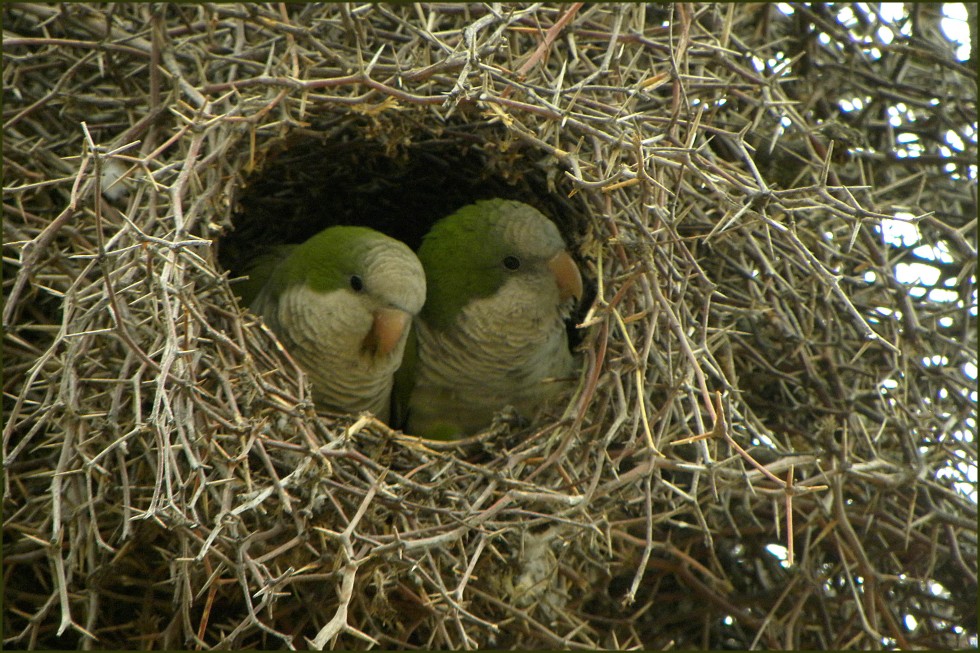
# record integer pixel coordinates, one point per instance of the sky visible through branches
(923, 274)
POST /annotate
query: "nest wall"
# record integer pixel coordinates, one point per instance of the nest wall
(757, 383)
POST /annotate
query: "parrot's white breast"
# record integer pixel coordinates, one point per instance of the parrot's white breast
(324, 333)
(507, 349)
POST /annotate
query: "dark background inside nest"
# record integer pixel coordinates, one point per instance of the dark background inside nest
(314, 182)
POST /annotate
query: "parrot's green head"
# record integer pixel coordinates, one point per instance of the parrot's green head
(480, 249)
(361, 260)
(379, 271)
(365, 270)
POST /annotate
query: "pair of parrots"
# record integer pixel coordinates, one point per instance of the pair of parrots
(473, 323)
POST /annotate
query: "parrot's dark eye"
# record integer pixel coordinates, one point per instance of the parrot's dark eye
(512, 262)
(356, 283)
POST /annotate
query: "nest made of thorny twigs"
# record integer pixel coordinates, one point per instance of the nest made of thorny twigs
(748, 349)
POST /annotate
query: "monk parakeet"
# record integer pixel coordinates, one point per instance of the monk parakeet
(492, 333)
(342, 304)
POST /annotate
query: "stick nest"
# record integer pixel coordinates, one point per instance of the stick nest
(770, 437)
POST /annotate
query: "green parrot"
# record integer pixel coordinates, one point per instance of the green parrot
(342, 304)
(492, 332)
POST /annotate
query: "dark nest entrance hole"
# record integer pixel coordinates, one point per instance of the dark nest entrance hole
(309, 181)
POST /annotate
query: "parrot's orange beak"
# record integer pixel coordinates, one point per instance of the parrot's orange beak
(567, 275)
(387, 330)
